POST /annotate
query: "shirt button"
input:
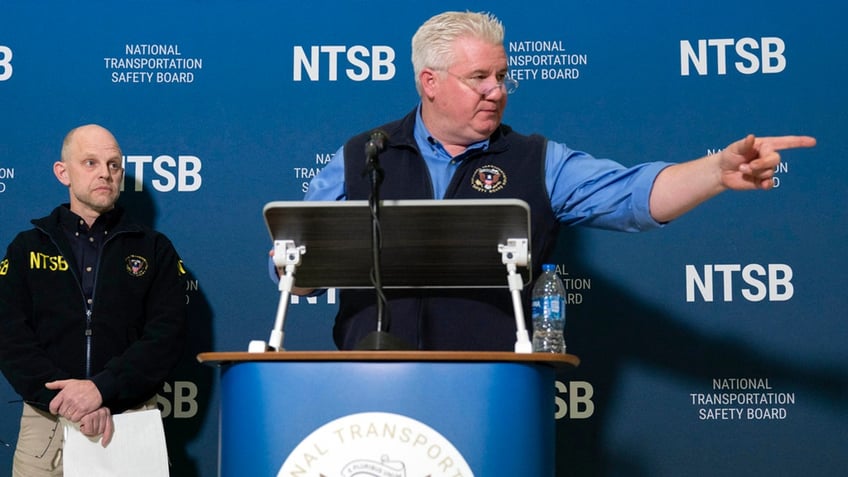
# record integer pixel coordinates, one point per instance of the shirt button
(90, 301)
(91, 239)
(87, 269)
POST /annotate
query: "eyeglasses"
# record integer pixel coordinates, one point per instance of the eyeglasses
(483, 86)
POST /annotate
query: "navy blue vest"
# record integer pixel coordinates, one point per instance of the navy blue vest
(448, 319)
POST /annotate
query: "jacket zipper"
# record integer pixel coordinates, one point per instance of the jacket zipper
(89, 338)
(89, 333)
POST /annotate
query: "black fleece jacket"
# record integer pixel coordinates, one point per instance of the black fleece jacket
(127, 340)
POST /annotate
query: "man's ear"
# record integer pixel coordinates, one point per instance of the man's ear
(428, 79)
(60, 170)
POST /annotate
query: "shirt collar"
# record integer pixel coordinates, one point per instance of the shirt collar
(71, 221)
(425, 140)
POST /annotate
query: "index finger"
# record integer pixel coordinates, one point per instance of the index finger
(778, 143)
(58, 384)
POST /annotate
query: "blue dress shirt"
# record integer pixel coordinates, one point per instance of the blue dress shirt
(584, 190)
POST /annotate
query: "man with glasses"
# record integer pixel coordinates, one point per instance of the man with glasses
(454, 146)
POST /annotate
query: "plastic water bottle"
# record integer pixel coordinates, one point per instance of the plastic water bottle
(548, 307)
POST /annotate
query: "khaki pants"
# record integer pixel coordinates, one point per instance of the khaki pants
(39, 449)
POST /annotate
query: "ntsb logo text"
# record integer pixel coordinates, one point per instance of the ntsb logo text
(5, 63)
(181, 173)
(752, 282)
(357, 62)
(713, 56)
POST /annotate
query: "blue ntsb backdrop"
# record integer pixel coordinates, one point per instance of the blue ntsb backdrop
(713, 347)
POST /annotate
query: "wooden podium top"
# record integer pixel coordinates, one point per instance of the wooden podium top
(554, 360)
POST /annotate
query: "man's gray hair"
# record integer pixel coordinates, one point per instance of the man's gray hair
(432, 44)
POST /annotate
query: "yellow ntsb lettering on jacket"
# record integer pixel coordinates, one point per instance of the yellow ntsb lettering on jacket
(42, 261)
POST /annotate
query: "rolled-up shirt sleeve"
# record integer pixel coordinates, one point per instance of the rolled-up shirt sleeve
(599, 193)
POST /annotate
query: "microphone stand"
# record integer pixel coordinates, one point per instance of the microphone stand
(380, 339)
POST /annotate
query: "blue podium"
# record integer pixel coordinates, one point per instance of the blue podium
(387, 413)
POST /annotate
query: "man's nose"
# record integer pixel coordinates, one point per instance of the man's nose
(105, 172)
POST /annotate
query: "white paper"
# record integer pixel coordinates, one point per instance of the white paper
(137, 448)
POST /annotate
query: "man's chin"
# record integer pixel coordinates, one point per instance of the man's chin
(104, 206)
(487, 129)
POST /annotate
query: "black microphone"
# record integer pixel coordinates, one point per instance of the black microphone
(376, 144)
(380, 339)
